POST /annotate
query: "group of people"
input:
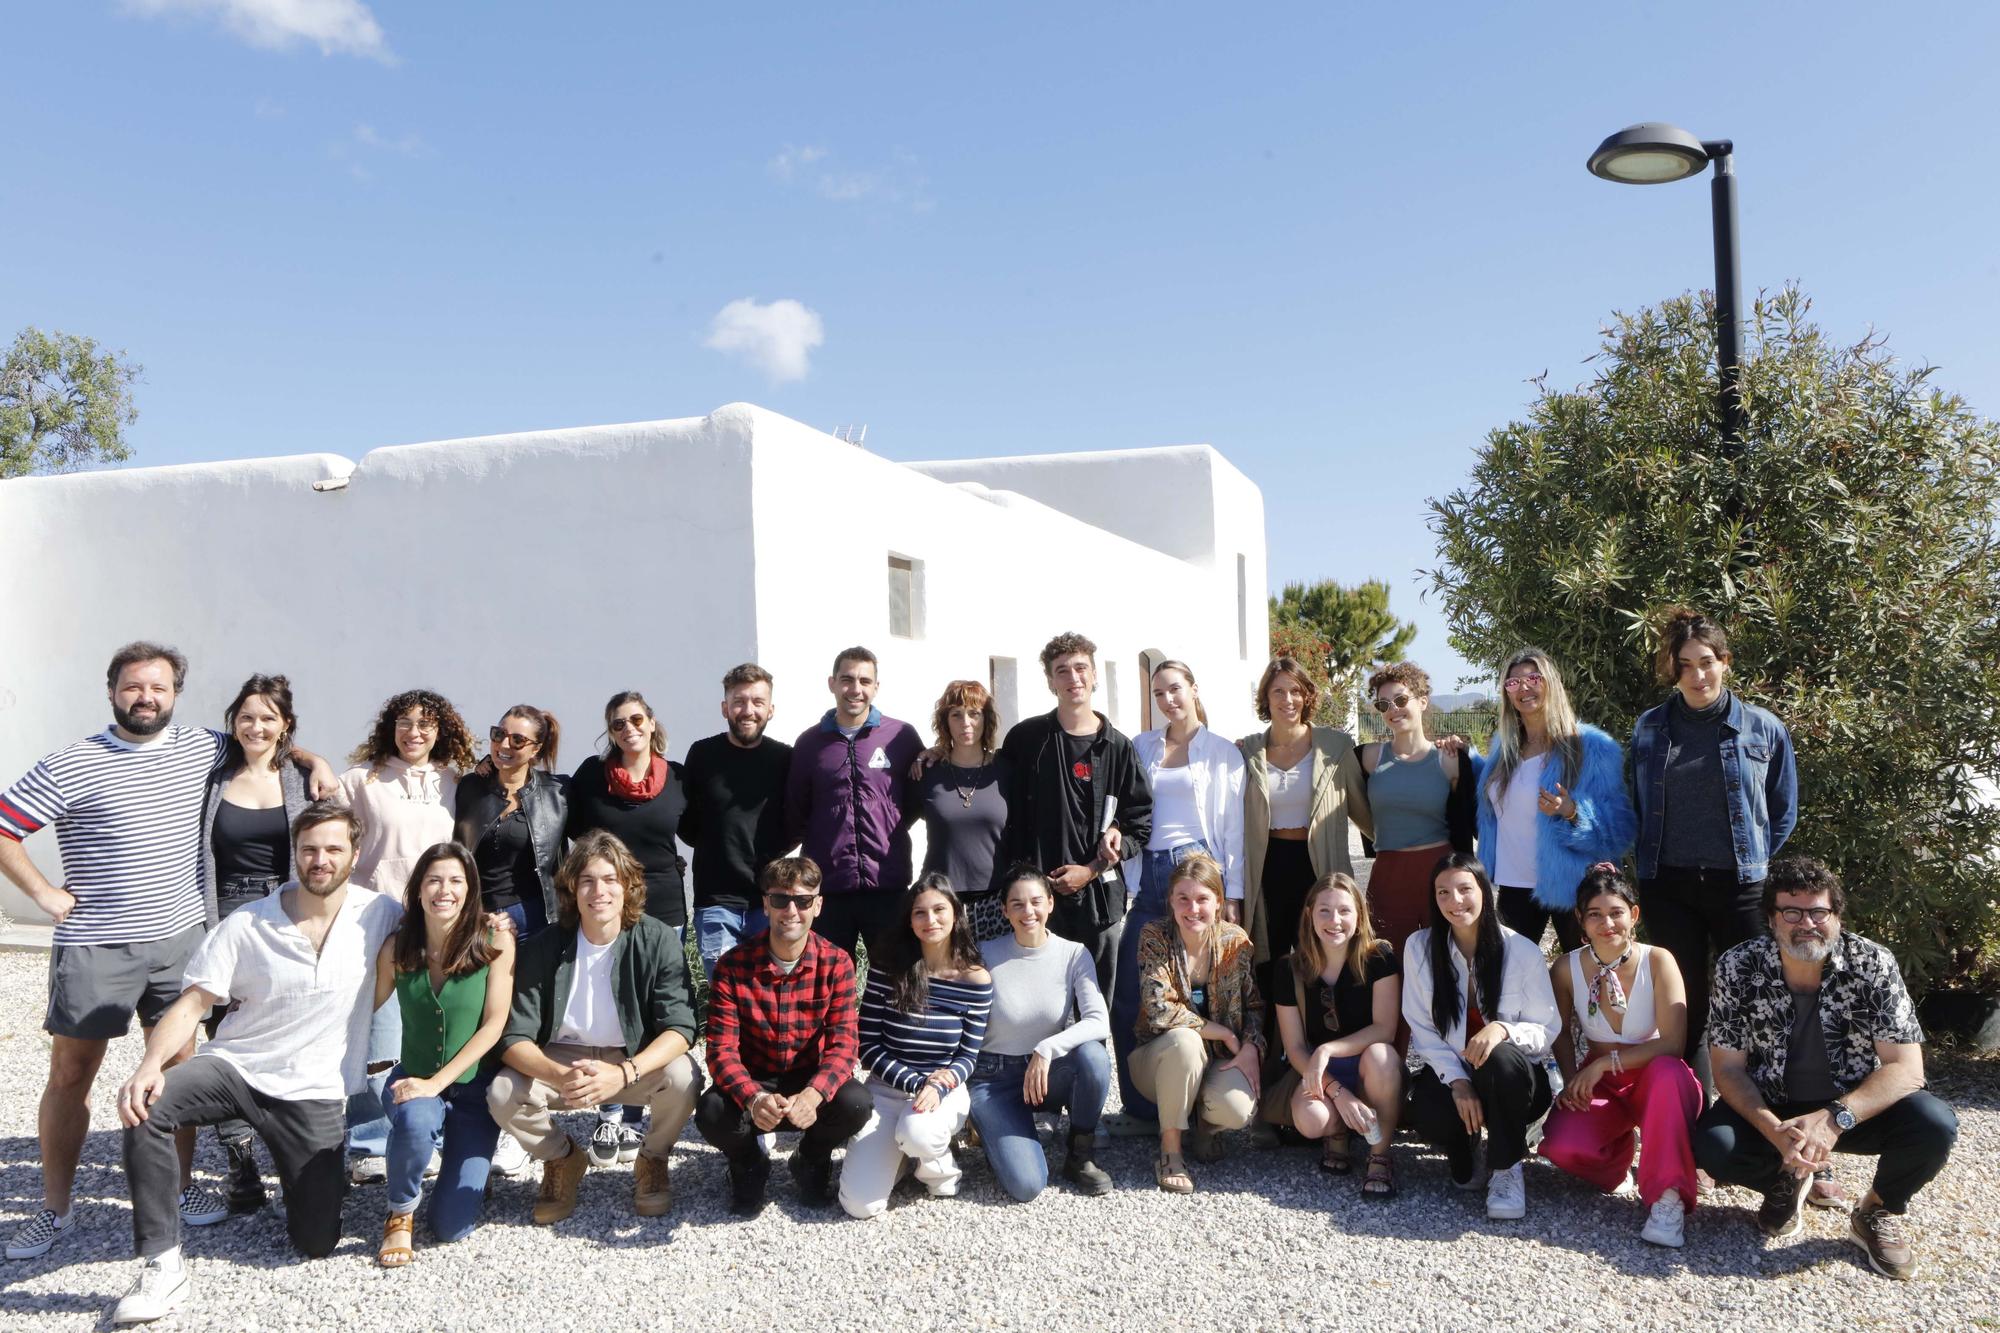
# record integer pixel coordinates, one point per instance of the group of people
(405, 968)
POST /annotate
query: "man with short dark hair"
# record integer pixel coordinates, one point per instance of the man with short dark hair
(783, 1037)
(735, 814)
(845, 802)
(1816, 1050)
(127, 809)
(296, 970)
(1076, 798)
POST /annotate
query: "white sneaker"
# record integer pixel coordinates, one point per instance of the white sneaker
(603, 1147)
(202, 1206)
(1628, 1188)
(768, 1143)
(509, 1157)
(435, 1165)
(34, 1237)
(1666, 1224)
(156, 1293)
(1506, 1195)
(366, 1170)
(940, 1176)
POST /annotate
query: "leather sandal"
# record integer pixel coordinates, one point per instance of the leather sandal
(396, 1249)
(1336, 1154)
(1170, 1169)
(1380, 1183)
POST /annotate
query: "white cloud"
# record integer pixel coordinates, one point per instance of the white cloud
(336, 27)
(776, 338)
(900, 183)
(407, 145)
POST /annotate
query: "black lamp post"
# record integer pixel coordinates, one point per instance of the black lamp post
(1653, 153)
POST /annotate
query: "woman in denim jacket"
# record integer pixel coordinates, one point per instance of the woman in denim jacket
(1717, 797)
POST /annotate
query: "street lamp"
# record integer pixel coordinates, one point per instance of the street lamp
(1653, 153)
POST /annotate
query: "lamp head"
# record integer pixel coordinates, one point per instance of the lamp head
(1650, 153)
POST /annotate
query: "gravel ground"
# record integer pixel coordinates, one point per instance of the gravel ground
(1268, 1241)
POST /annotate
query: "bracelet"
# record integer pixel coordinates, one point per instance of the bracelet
(1617, 1065)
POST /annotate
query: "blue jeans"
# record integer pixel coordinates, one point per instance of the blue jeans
(460, 1114)
(718, 929)
(527, 916)
(1156, 870)
(1078, 1083)
(367, 1124)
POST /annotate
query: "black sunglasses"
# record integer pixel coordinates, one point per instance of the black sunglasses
(778, 902)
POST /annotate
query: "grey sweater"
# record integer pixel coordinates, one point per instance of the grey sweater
(1695, 831)
(1045, 1001)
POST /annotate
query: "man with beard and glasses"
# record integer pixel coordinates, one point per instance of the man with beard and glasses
(735, 815)
(127, 807)
(297, 971)
(1816, 1050)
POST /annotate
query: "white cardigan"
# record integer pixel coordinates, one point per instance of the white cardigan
(1527, 1003)
(1217, 766)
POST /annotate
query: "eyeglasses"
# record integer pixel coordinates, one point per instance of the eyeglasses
(1400, 701)
(1793, 915)
(1515, 684)
(778, 902)
(502, 736)
(632, 723)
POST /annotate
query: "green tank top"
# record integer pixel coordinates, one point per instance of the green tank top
(437, 1024)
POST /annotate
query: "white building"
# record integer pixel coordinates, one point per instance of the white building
(558, 567)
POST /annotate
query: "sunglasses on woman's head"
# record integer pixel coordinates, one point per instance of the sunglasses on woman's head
(1400, 701)
(502, 736)
(631, 723)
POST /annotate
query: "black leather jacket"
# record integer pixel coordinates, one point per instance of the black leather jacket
(480, 802)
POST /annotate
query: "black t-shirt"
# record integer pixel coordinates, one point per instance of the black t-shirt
(735, 816)
(505, 857)
(1083, 830)
(1344, 1007)
(251, 843)
(646, 827)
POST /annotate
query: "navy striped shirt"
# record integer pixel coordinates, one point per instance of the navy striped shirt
(128, 824)
(902, 1049)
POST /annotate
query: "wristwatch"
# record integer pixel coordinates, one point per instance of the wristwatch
(1843, 1119)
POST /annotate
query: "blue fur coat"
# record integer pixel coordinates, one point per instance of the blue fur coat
(1604, 828)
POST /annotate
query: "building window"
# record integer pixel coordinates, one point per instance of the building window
(1149, 662)
(1111, 691)
(1004, 685)
(906, 597)
(1242, 606)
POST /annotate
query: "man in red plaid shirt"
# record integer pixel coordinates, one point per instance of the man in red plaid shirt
(782, 1044)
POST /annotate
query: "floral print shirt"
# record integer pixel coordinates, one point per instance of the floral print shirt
(1862, 1000)
(1166, 991)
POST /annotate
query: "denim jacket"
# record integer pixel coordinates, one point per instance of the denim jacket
(1758, 769)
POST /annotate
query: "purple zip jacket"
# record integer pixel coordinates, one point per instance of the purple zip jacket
(844, 802)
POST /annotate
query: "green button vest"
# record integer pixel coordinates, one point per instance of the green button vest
(437, 1024)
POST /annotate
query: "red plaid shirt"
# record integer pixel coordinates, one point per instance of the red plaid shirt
(763, 1023)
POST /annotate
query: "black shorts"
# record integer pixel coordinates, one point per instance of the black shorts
(95, 989)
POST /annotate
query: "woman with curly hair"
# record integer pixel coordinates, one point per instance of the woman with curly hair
(962, 799)
(1421, 793)
(404, 785)
(923, 1022)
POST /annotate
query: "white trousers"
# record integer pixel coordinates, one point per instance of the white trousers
(876, 1156)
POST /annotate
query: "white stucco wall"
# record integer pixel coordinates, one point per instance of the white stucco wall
(557, 567)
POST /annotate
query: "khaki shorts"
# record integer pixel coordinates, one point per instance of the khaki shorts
(95, 989)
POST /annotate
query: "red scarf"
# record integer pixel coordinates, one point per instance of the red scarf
(623, 786)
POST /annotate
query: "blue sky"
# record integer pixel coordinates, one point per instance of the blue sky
(1334, 242)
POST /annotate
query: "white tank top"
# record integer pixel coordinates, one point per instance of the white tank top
(1640, 1024)
(1291, 793)
(1175, 817)
(1520, 826)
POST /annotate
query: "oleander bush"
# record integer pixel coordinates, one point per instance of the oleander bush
(1850, 550)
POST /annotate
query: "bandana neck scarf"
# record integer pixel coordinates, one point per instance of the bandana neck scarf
(622, 785)
(1606, 992)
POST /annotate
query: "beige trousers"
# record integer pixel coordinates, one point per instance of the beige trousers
(1174, 1071)
(521, 1104)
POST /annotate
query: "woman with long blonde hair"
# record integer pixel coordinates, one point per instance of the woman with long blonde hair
(1337, 1019)
(1551, 802)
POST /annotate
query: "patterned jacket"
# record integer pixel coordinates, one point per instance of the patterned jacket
(1861, 1001)
(1166, 992)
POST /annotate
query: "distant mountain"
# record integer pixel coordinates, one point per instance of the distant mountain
(1454, 703)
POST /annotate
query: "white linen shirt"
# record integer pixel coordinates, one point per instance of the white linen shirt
(1527, 1004)
(1217, 766)
(299, 1031)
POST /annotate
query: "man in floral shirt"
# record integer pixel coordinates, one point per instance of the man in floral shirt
(1816, 1050)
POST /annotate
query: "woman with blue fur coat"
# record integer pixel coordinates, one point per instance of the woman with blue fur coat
(1552, 800)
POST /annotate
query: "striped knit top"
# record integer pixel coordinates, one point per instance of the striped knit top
(902, 1050)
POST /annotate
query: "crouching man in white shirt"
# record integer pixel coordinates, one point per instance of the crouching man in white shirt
(298, 967)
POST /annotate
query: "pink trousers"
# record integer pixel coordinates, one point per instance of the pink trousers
(1661, 1101)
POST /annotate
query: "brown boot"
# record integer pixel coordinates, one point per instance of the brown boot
(560, 1178)
(652, 1187)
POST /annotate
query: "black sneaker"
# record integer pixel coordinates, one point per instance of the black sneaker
(1784, 1205)
(814, 1172)
(246, 1186)
(1080, 1167)
(747, 1180)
